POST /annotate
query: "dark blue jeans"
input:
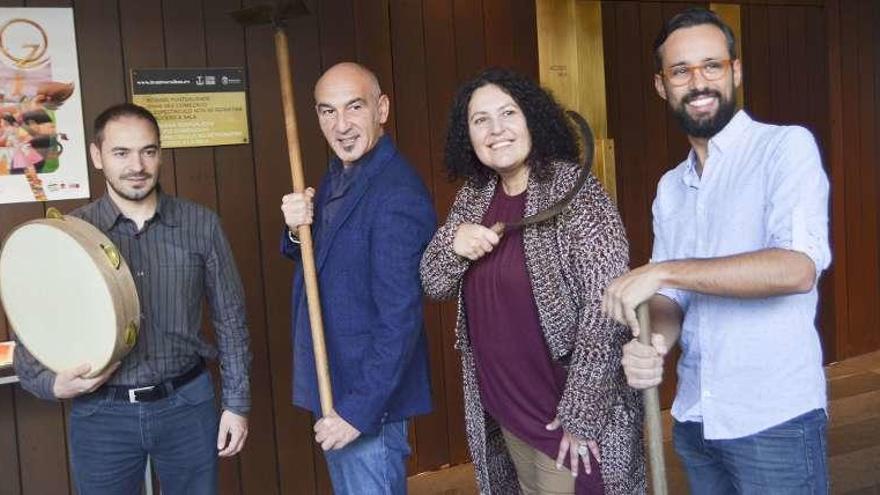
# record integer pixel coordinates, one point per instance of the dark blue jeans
(372, 464)
(111, 438)
(787, 459)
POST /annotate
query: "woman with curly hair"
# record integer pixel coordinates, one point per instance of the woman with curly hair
(547, 407)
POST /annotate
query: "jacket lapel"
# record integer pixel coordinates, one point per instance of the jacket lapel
(352, 198)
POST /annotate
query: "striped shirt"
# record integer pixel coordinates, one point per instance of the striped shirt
(178, 259)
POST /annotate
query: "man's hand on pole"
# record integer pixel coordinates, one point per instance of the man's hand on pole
(333, 432)
(627, 292)
(298, 208)
(643, 364)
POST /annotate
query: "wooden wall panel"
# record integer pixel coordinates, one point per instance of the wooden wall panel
(337, 34)
(442, 78)
(296, 465)
(834, 157)
(861, 337)
(470, 57)
(856, 241)
(235, 183)
(871, 336)
(755, 33)
(414, 140)
(9, 453)
(858, 162)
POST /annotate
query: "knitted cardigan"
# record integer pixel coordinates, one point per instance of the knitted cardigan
(570, 260)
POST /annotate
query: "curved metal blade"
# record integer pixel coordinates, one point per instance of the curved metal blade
(588, 144)
(271, 13)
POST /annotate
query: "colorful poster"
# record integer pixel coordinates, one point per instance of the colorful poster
(42, 143)
(194, 107)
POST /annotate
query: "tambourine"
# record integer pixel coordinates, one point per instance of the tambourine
(68, 294)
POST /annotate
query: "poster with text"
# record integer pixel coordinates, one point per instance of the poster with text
(42, 143)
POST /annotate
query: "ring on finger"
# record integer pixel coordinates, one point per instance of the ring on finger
(582, 450)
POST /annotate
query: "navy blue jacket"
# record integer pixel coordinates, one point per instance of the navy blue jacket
(367, 259)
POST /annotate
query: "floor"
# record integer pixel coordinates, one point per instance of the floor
(853, 439)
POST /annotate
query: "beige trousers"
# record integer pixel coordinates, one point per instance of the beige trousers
(537, 473)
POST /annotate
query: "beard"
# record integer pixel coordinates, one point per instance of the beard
(130, 193)
(707, 127)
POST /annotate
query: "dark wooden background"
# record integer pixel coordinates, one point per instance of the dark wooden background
(816, 63)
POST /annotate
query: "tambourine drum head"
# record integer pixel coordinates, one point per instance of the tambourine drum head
(56, 299)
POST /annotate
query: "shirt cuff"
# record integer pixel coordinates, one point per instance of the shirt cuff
(807, 239)
(43, 386)
(240, 405)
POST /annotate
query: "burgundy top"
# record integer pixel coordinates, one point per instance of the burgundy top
(520, 385)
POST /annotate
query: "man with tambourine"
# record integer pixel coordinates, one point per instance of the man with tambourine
(159, 399)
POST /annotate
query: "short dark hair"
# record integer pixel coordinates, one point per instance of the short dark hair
(552, 136)
(117, 112)
(694, 16)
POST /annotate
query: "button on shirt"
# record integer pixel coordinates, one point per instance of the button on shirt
(179, 258)
(747, 364)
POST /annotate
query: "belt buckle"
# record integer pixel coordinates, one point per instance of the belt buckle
(131, 398)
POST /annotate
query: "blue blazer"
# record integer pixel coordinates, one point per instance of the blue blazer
(371, 298)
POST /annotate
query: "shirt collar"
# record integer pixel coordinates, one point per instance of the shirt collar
(722, 142)
(731, 133)
(109, 214)
(167, 210)
(690, 176)
(376, 155)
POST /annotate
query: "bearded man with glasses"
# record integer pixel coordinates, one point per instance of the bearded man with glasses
(740, 240)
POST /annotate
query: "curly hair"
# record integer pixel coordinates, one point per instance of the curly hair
(552, 136)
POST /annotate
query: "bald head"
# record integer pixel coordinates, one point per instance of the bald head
(350, 72)
(351, 110)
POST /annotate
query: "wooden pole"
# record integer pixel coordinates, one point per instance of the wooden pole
(304, 232)
(653, 426)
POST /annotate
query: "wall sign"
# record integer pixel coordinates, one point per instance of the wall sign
(194, 107)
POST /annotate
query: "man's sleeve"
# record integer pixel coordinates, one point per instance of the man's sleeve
(289, 245)
(226, 299)
(34, 377)
(797, 211)
(661, 252)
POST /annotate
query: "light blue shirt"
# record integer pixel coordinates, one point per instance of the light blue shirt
(746, 364)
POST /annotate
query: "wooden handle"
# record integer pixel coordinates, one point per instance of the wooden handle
(653, 426)
(304, 232)
(498, 228)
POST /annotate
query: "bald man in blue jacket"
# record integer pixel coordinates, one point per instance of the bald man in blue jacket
(372, 217)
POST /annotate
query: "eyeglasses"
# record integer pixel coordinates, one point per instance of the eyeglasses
(711, 70)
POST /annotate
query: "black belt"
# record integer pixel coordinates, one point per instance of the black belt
(155, 392)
